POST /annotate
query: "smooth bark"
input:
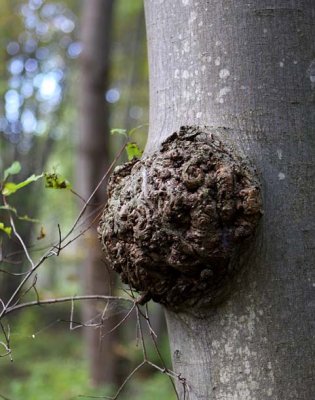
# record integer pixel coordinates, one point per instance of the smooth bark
(247, 69)
(92, 165)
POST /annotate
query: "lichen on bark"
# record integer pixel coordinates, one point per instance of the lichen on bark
(177, 220)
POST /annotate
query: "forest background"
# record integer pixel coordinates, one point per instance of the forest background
(40, 127)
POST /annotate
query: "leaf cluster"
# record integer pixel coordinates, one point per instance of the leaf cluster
(131, 147)
(7, 188)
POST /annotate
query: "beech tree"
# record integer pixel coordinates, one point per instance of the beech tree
(245, 70)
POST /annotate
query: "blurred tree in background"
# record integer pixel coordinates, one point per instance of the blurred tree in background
(42, 127)
(93, 161)
(38, 46)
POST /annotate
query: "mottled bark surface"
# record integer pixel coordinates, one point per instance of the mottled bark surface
(246, 68)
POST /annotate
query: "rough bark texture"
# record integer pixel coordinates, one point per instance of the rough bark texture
(92, 164)
(246, 68)
(176, 221)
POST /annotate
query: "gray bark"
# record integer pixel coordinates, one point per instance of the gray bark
(92, 165)
(247, 69)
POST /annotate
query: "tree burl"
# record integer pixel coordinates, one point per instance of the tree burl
(177, 220)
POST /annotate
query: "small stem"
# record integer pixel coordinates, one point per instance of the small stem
(9, 310)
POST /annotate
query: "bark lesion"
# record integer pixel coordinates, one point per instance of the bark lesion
(176, 220)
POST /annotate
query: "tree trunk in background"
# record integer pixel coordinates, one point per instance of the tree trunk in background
(92, 164)
(247, 69)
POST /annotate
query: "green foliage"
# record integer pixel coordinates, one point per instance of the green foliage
(11, 187)
(52, 181)
(132, 148)
(8, 188)
(56, 181)
(14, 169)
(133, 151)
(6, 229)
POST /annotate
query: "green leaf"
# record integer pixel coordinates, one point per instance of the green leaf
(133, 151)
(56, 181)
(14, 169)
(22, 218)
(6, 229)
(119, 131)
(11, 187)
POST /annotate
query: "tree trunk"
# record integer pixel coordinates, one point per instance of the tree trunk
(93, 163)
(247, 69)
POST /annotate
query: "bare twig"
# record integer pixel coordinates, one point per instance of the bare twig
(154, 340)
(87, 203)
(58, 246)
(7, 339)
(2, 304)
(9, 310)
(120, 388)
(13, 273)
(120, 322)
(19, 237)
(78, 228)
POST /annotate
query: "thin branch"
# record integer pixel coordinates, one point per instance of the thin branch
(46, 327)
(154, 338)
(48, 254)
(29, 289)
(14, 273)
(9, 310)
(79, 196)
(120, 322)
(121, 387)
(7, 349)
(144, 350)
(71, 314)
(18, 236)
(7, 339)
(105, 176)
(2, 304)
(22, 243)
(79, 228)
(82, 232)
(52, 252)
